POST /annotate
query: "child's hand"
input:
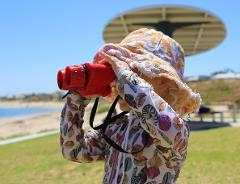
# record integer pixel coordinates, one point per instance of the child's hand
(117, 56)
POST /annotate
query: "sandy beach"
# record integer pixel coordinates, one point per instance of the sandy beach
(31, 124)
(40, 104)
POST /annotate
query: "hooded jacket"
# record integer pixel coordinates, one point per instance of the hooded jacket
(149, 70)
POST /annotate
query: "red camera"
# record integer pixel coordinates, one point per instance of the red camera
(87, 79)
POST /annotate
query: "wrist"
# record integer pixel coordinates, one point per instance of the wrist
(76, 99)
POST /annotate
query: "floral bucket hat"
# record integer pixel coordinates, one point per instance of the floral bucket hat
(159, 60)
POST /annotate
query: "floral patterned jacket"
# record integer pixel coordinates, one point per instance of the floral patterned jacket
(153, 134)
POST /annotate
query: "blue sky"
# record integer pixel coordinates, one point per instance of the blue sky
(37, 38)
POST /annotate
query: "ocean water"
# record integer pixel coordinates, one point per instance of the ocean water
(11, 112)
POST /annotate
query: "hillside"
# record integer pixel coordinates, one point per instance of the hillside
(218, 90)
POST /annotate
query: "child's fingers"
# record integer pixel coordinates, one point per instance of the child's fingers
(117, 51)
(107, 57)
(97, 57)
(115, 62)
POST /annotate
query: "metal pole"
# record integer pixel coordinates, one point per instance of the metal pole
(213, 117)
(234, 112)
(221, 116)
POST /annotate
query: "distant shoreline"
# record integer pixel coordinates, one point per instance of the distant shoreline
(29, 124)
(36, 123)
(39, 104)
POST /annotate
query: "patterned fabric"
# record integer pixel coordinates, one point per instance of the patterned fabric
(157, 137)
(160, 45)
(153, 133)
(159, 60)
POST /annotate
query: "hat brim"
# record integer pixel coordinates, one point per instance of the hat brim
(175, 92)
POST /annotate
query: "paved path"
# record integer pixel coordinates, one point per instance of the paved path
(27, 137)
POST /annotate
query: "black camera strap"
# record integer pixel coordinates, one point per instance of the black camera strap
(109, 119)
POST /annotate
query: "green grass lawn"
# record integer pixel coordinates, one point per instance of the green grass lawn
(213, 158)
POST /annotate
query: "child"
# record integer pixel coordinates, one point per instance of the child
(153, 137)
